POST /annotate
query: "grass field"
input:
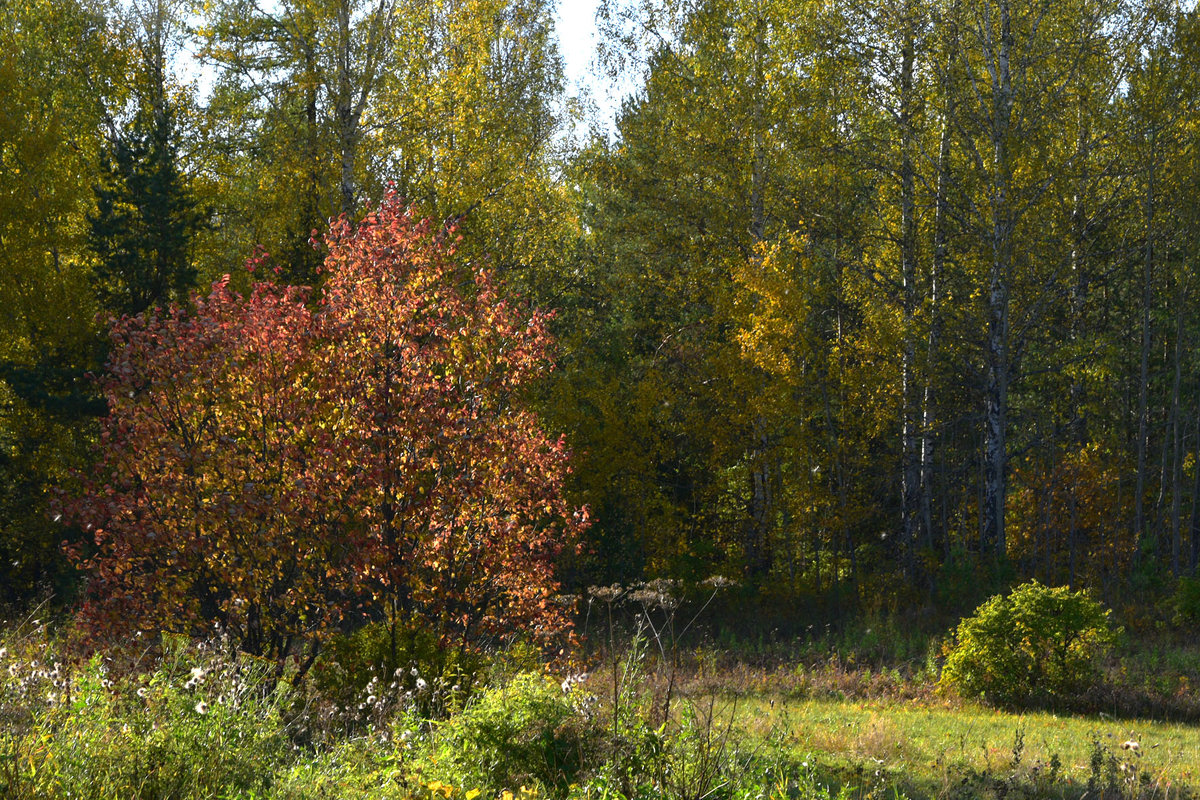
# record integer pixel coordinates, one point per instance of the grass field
(885, 731)
(931, 746)
(191, 721)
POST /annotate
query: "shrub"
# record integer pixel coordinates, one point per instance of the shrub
(399, 666)
(198, 725)
(1037, 644)
(524, 732)
(287, 471)
(1186, 601)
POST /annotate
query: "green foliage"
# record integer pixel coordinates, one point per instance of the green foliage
(389, 661)
(197, 725)
(59, 66)
(1036, 644)
(527, 731)
(1187, 601)
(146, 216)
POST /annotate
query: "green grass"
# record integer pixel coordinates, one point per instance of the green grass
(189, 721)
(930, 745)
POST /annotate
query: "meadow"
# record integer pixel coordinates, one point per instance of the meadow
(630, 713)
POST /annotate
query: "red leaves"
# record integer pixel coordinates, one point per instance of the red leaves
(275, 469)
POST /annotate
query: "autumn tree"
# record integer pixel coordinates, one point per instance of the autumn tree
(285, 471)
(59, 68)
(457, 488)
(711, 443)
(318, 103)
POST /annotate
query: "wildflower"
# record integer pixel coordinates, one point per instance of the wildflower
(421, 685)
(606, 594)
(1132, 747)
(572, 681)
(202, 707)
(196, 679)
(142, 692)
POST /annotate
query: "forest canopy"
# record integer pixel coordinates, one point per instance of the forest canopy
(867, 304)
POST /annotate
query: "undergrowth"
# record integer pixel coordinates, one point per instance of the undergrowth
(659, 711)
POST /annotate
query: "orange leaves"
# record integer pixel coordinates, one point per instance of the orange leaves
(262, 460)
(1069, 515)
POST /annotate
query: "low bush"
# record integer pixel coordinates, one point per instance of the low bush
(197, 725)
(1186, 602)
(378, 668)
(524, 732)
(1035, 645)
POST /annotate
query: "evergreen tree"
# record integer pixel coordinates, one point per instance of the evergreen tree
(145, 213)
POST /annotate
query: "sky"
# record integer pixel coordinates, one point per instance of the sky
(576, 25)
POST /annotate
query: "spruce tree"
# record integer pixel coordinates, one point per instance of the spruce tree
(145, 213)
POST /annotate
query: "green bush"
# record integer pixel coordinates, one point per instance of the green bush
(365, 677)
(198, 725)
(1186, 601)
(525, 732)
(388, 664)
(1036, 645)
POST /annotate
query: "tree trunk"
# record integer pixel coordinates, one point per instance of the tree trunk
(936, 271)
(762, 506)
(346, 117)
(1143, 413)
(1194, 527)
(998, 363)
(910, 478)
(1177, 435)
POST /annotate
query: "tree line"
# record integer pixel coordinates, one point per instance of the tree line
(858, 302)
